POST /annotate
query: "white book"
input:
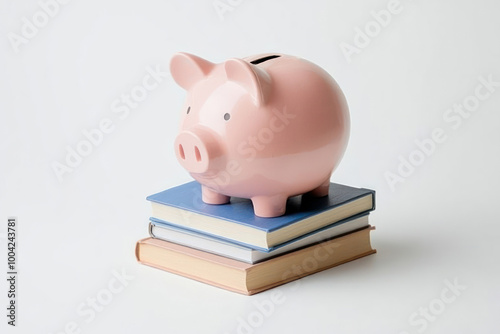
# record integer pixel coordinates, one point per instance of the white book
(215, 245)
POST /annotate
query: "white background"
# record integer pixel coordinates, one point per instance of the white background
(440, 224)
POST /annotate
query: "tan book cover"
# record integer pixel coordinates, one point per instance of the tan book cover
(248, 278)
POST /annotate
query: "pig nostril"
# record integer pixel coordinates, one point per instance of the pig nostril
(181, 152)
(197, 153)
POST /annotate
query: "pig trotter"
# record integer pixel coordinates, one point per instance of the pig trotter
(269, 206)
(322, 190)
(211, 197)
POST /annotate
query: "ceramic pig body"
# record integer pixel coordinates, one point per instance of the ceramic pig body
(265, 127)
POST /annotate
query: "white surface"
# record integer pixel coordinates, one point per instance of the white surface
(440, 224)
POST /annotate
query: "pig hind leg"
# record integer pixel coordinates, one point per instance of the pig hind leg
(212, 197)
(269, 206)
(322, 190)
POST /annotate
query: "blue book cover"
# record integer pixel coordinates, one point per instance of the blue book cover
(183, 206)
(343, 224)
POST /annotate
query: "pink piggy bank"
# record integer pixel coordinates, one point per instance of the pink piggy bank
(265, 127)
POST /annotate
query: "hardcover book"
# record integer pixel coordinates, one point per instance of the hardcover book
(182, 206)
(243, 253)
(248, 278)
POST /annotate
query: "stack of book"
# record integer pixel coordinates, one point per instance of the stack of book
(229, 247)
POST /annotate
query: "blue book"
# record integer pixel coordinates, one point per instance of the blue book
(237, 251)
(182, 206)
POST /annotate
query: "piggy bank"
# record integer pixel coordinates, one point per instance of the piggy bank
(265, 127)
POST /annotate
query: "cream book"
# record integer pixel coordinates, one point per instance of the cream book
(248, 278)
(238, 252)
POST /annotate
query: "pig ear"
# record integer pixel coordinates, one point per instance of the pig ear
(187, 69)
(255, 80)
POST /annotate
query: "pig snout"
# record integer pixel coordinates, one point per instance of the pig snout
(197, 149)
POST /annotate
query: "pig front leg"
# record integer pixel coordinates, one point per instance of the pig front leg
(269, 206)
(212, 197)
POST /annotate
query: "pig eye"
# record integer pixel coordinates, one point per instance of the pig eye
(189, 109)
(227, 116)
